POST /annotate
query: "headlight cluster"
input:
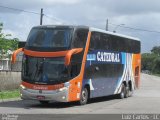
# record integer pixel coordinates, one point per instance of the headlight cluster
(66, 86)
(23, 87)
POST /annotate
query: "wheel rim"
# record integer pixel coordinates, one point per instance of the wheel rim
(127, 92)
(84, 95)
(123, 92)
(122, 95)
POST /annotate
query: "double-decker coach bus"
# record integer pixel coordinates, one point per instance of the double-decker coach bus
(75, 63)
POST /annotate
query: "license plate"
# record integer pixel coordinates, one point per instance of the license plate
(41, 97)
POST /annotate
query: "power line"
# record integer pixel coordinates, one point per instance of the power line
(138, 29)
(15, 9)
(55, 18)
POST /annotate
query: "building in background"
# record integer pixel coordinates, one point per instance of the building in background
(5, 64)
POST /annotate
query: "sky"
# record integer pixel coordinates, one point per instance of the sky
(121, 14)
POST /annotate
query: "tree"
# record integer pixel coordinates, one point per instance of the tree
(156, 65)
(1, 26)
(147, 61)
(151, 61)
(6, 44)
(156, 50)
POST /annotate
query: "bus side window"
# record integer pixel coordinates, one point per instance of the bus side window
(105, 41)
(95, 42)
(98, 42)
(80, 38)
(92, 43)
(137, 71)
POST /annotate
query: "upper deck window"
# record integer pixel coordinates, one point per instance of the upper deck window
(49, 38)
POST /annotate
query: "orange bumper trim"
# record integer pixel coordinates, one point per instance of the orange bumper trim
(42, 87)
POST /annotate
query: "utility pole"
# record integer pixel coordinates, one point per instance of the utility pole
(41, 17)
(107, 25)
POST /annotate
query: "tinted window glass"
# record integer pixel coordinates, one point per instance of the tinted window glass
(80, 38)
(44, 70)
(113, 43)
(105, 70)
(100, 41)
(49, 38)
(106, 41)
(79, 41)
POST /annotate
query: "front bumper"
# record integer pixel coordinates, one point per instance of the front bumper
(60, 95)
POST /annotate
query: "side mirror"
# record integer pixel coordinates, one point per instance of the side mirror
(70, 53)
(15, 53)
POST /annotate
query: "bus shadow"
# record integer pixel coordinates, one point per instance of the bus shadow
(28, 104)
(59, 105)
(102, 99)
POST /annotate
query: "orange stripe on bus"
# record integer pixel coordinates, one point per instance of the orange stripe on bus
(44, 54)
(70, 53)
(67, 54)
(74, 90)
(42, 87)
(15, 53)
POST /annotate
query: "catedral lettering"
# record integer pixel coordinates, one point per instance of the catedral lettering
(60, 64)
(108, 57)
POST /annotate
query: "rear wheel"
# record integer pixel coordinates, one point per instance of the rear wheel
(126, 95)
(130, 89)
(123, 92)
(84, 96)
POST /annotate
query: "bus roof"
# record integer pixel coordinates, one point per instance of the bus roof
(90, 29)
(61, 26)
(112, 33)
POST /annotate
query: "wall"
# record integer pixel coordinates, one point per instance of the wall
(9, 80)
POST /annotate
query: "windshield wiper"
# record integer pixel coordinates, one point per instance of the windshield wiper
(39, 69)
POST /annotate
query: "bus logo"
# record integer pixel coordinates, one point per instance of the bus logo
(108, 57)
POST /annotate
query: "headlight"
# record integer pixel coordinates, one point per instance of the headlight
(66, 86)
(62, 89)
(23, 87)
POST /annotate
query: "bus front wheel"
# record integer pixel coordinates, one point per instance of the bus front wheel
(84, 96)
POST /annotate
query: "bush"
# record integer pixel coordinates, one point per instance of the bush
(151, 61)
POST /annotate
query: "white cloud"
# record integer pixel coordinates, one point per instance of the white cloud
(34, 4)
(60, 1)
(144, 14)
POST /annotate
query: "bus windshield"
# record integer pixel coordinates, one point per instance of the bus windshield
(44, 70)
(49, 38)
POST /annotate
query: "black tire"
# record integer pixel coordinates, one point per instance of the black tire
(123, 92)
(130, 89)
(84, 96)
(126, 95)
(44, 102)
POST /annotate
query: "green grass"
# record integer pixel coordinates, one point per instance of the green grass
(157, 75)
(10, 94)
